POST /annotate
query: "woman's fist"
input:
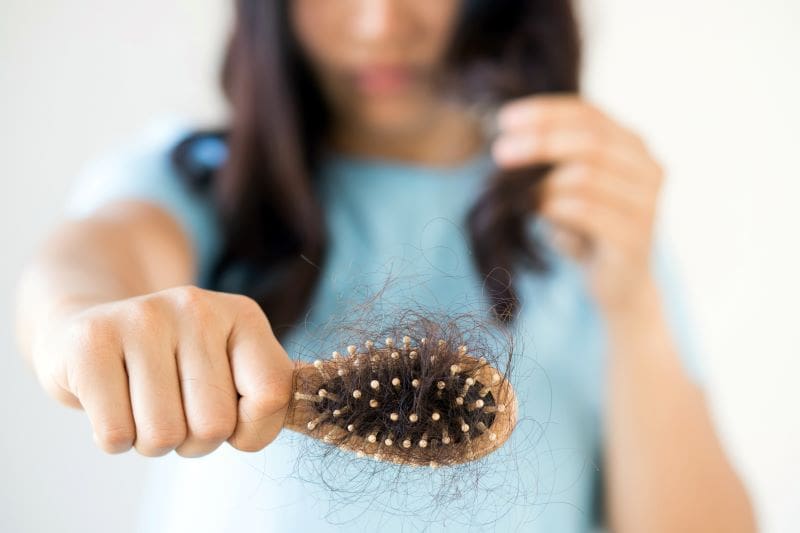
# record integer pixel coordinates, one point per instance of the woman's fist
(184, 368)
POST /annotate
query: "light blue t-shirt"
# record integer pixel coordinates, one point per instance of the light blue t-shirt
(403, 222)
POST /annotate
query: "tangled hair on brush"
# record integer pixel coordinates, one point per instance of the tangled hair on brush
(432, 401)
(402, 484)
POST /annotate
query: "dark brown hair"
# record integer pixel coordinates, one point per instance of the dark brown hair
(274, 234)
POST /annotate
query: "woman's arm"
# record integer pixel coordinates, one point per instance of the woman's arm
(111, 324)
(667, 471)
(124, 249)
(665, 468)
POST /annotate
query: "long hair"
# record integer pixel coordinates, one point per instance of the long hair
(274, 234)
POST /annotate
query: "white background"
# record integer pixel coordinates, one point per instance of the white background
(712, 86)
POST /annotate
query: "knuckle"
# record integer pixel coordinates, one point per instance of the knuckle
(92, 331)
(115, 439)
(146, 314)
(191, 300)
(214, 430)
(250, 310)
(188, 296)
(157, 440)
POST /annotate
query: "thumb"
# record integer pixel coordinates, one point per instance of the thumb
(262, 375)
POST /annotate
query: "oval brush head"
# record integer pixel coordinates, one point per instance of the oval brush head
(425, 404)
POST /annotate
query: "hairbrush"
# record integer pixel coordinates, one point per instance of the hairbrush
(429, 403)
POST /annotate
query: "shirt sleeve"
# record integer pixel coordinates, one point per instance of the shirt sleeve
(142, 170)
(680, 320)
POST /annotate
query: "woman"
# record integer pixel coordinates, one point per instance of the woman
(166, 306)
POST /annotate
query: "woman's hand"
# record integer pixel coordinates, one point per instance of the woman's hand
(183, 368)
(602, 195)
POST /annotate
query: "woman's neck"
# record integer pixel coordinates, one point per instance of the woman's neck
(449, 138)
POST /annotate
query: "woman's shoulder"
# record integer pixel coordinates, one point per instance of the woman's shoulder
(142, 167)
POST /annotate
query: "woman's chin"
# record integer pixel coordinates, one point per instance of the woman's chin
(391, 120)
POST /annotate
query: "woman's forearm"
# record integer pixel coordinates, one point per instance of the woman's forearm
(665, 467)
(126, 250)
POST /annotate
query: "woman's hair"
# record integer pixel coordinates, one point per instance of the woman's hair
(273, 222)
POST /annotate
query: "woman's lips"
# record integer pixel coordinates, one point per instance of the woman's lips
(382, 79)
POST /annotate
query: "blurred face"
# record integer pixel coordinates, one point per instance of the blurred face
(376, 59)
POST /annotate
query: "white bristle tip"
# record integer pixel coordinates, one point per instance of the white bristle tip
(435, 416)
(479, 403)
(415, 383)
(372, 438)
(351, 349)
(394, 417)
(389, 341)
(460, 400)
(373, 403)
(351, 428)
(406, 339)
(396, 382)
(318, 363)
(469, 381)
(413, 417)
(407, 443)
(336, 355)
(356, 394)
(388, 442)
(492, 437)
(374, 384)
(340, 372)
(441, 385)
(455, 369)
(395, 355)
(369, 344)
(423, 444)
(464, 427)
